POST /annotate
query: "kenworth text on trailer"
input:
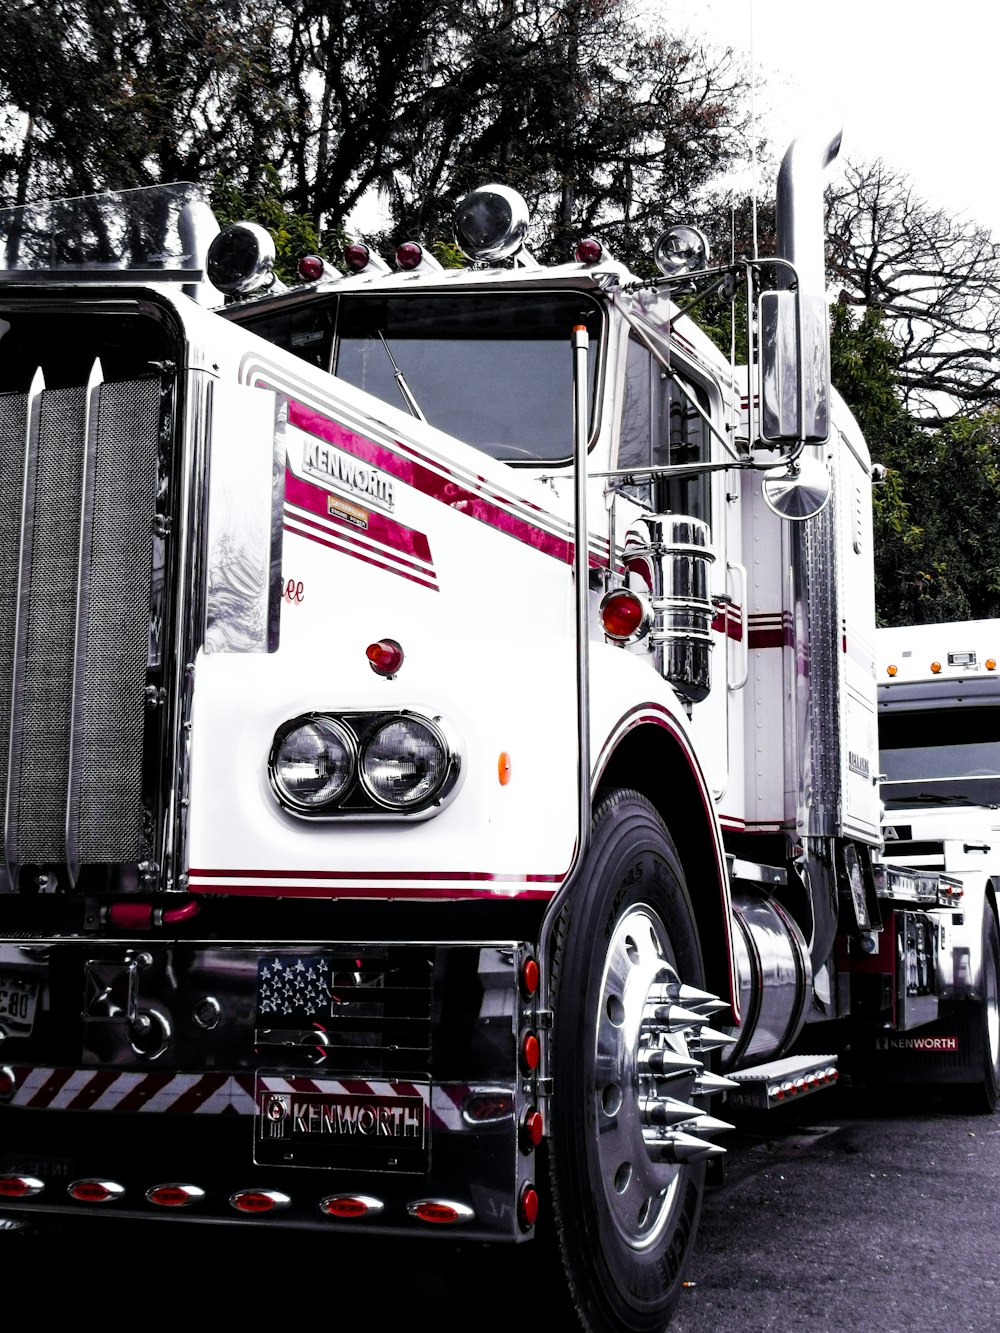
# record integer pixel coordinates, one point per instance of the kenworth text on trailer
(440, 730)
(939, 739)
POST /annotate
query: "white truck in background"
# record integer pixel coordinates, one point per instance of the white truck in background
(939, 748)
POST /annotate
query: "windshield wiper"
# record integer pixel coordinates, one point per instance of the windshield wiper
(404, 388)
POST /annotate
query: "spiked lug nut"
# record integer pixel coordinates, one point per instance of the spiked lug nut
(666, 992)
(711, 1083)
(672, 1018)
(667, 1111)
(707, 1124)
(666, 1063)
(682, 1148)
(695, 998)
(710, 1039)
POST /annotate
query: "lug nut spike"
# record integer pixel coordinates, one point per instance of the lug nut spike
(709, 1008)
(711, 1039)
(667, 1111)
(680, 1148)
(672, 1018)
(711, 1083)
(692, 996)
(666, 1063)
(707, 1124)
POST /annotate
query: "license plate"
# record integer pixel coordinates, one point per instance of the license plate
(331, 1123)
(18, 996)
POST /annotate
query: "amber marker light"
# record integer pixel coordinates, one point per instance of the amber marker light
(503, 768)
(891, 670)
(935, 667)
(991, 664)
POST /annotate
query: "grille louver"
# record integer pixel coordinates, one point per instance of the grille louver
(77, 507)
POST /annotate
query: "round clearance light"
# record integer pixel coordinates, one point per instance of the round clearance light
(892, 670)
(681, 250)
(312, 763)
(405, 763)
(623, 614)
(527, 1208)
(356, 256)
(409, 255)
(241, 258)
(935, 667)
(991, 664)
(589, 251)
(311, 268)
(491, 223)
(385, 657)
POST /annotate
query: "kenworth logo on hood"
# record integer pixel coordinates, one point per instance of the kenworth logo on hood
(333, 465)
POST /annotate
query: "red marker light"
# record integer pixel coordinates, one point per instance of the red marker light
(356, 256)
(428, 1211)
(527, 1207)
(622, 613)
(310, 268)
(529, 977)
(530, 1052)
(385, 657)
(589, 251)
(532, 1129)
(409, 255)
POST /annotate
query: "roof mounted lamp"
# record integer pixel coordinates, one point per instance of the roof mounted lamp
(241, 260)
(490, 224)
(681, 250)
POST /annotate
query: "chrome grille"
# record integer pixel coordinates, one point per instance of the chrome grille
(80, 469)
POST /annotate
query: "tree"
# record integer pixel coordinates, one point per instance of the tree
(104, 96)
(936, 280)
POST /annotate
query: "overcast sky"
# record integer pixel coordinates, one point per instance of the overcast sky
(913, 82)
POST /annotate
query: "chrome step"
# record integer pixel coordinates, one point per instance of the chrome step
(779, 1082)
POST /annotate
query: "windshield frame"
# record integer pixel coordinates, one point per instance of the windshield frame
(327, 305)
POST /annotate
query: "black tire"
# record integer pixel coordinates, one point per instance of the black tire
(983, 1097)
(624, 1222)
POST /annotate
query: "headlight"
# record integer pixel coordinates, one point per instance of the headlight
(405, 762)
(376, 764)
(313, 763)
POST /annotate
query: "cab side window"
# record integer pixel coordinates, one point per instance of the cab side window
(660, 426)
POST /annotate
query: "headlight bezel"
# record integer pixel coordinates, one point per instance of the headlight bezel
(357, 801)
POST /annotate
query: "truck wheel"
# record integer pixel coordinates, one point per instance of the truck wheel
(627, 1129)
(986, 1095)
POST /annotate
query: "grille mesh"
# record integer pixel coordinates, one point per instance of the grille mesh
(13, 426)
(108, 756)
(106, 804)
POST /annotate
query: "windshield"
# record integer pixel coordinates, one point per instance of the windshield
(493, 368)
(153, 231)
(940, 756)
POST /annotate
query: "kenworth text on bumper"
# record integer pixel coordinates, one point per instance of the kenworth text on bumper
(439, 740)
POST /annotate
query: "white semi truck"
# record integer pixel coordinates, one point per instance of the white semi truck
(939, 745)
(438, 743)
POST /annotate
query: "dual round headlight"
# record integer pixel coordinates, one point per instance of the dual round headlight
(357, 764)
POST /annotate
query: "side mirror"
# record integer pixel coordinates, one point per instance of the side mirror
(794, 390)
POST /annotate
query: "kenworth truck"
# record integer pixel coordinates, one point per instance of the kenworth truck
(939, 739)
(438, 719)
